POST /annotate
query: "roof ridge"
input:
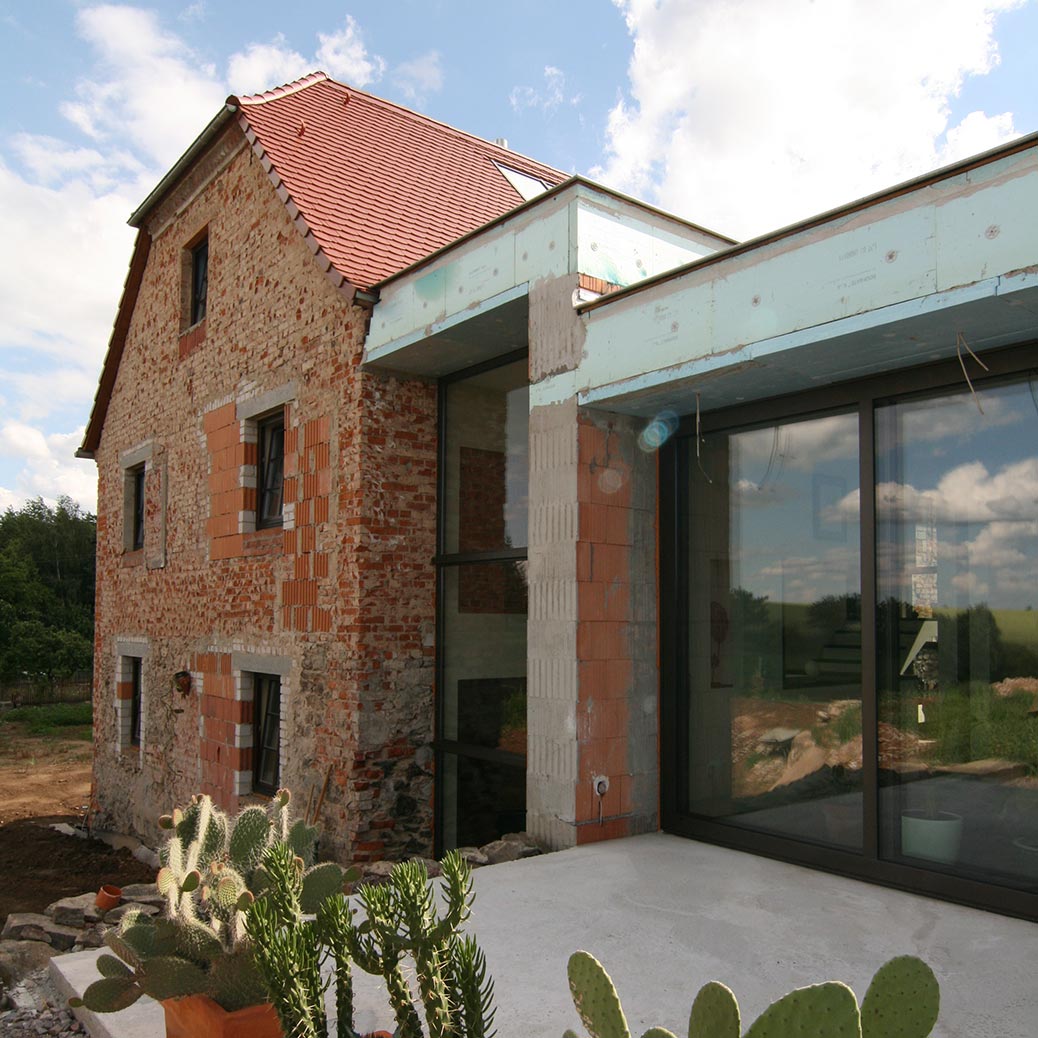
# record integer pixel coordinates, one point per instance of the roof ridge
(283, 91)
(422, 117)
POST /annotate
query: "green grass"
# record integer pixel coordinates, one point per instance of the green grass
(971, 722)
(54, 719)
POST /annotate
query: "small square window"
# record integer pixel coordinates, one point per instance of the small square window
(266, 740)
(199, 280)
(135, 699)
(271, 467)
(135, 516)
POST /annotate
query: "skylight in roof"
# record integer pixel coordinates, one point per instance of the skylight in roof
(527, 186)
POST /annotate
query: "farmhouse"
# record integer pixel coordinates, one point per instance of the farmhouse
(504, 501)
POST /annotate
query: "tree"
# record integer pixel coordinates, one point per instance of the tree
(46, 590)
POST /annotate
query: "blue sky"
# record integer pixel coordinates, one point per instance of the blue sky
(742, 115)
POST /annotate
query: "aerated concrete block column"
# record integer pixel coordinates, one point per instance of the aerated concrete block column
(592, 695)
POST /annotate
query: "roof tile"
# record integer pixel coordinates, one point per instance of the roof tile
(378, 185)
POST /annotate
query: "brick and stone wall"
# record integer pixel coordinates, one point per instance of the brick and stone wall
(341, 598)
(593, 687)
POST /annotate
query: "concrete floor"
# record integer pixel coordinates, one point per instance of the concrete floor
(664, 915)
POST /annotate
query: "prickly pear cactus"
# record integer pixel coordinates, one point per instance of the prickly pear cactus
(595, 998)
(715, 1013)
(212, 871)
(902, 1001)
(820, 1011)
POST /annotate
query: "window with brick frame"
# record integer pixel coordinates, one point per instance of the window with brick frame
(264, 418)
(266, 733)
(270, 469)
(130, 696)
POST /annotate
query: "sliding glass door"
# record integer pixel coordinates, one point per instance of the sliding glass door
(850, 636)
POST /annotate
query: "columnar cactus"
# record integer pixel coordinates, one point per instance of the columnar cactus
(402, 924)
(402, 921)
(212, 871)
(902, 1001)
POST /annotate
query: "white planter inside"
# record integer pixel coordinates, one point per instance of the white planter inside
(933, 837)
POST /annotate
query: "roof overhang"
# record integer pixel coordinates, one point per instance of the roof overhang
(468, 303)
(896, 280)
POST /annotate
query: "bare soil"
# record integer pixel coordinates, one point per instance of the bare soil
(44, 780)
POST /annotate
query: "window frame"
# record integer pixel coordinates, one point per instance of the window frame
(674, 516)
(130, 718)
(269, 426)
(198, 286)
(136, 700)
(446, 560)
(264, 688)
(138, 476)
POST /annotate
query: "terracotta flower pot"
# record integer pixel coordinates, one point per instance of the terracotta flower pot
(108, 897)
(198, 1016)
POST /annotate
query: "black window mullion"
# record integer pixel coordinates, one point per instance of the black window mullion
(869, 697)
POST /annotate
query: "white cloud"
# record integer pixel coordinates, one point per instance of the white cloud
(264, 65)
(58, 298)
(747, 114)
(420, 77)
(968, 493)
(546, 99)
(151, 89)
(343, 55)
(49, 467)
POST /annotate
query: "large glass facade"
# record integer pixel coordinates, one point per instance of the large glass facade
(957, 573)
(774, 627)
(481, 736)
(850, 672)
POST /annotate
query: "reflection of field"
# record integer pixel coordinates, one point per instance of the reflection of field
(776, 742)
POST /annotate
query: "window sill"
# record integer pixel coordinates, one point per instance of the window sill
(133, 558)
(191, 338)
(267, 541)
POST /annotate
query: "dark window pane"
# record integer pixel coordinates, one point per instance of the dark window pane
(138, 508)
(271, 470)
(199, 280)
(485, 461)
(266, 732)
(135, 701)
(484, 655)
(483, 800)
(957, 558)
(774, 721)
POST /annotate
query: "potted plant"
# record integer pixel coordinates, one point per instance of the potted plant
(930, 833)
(197, 958)
(402, 935)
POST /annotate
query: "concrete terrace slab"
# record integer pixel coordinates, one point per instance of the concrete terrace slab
(665, 915)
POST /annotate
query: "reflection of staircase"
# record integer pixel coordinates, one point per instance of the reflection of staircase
(839, 660)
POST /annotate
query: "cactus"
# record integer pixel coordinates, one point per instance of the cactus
(402, 923)
(820, 1011)
(715, 1013)
(212, 871)
(902, 1001)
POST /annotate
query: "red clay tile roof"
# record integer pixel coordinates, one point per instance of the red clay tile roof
(377, 185)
